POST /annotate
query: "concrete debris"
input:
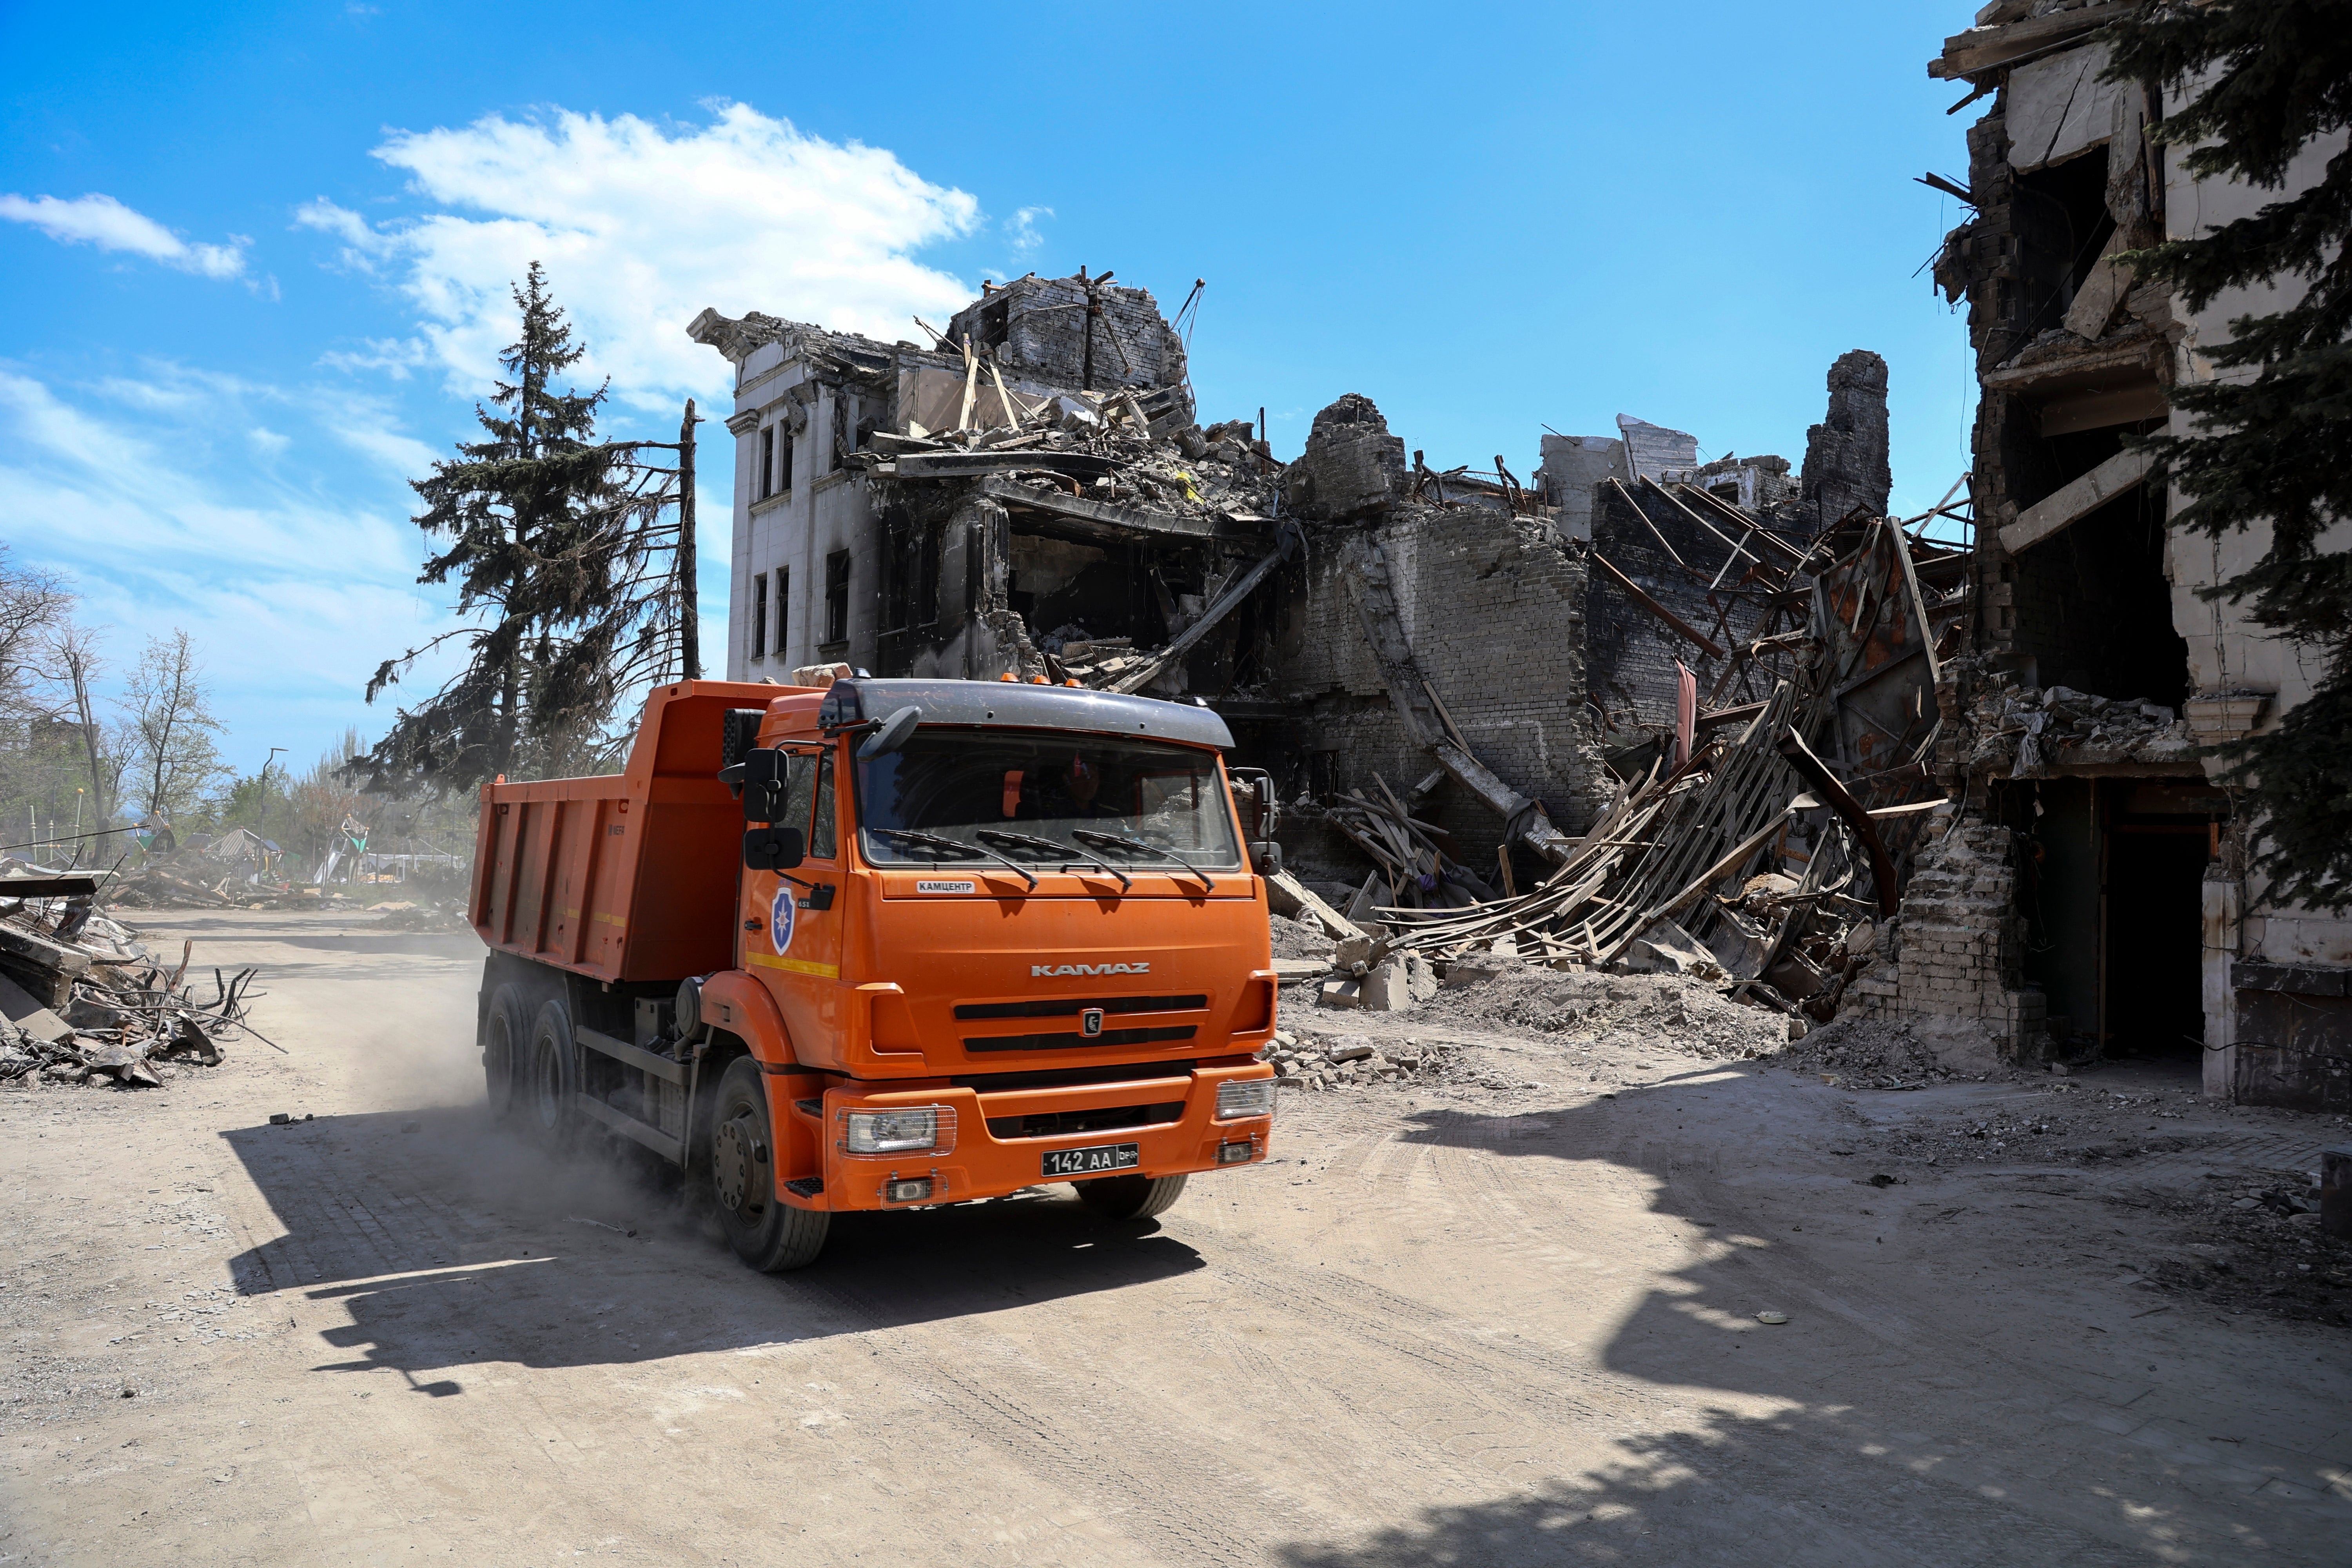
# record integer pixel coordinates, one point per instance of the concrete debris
(2027, 731)
(83, 1002)
(1312, 1061)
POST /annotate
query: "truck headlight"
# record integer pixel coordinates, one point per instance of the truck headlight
(892, 1131)
(1238, 1101)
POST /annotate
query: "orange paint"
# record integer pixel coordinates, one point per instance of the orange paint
(953, 986)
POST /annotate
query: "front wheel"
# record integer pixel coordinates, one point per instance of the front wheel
(767, 1232)
(1129, 1197)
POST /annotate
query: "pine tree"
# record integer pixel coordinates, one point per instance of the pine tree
(565, 567)
(2274, 448)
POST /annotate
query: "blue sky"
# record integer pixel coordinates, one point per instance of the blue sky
(255, 255)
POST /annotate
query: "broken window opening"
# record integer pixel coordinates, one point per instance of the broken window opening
(759, 616)
(767, 461)
(837, 598)
(783, 609)
(2063, 222)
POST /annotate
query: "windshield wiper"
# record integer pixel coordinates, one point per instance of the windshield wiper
(934, 841)
(1063, 851)
(1122, 841)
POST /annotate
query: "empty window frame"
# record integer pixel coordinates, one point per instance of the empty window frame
(759, 616)
(836, 597)
(767, 461)
(783, 609)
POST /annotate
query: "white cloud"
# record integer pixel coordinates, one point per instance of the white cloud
(393, 356)
(640, 226)
(1021, 232)
(102, 221)
(362, 245)
(369, 432)
(291, 598)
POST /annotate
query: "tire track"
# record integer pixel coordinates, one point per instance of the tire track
(1181, 1505)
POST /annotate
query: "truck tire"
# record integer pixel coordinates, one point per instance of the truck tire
(1129, 1197)
(551, 1077)
(505, 1033)
(767, 1232)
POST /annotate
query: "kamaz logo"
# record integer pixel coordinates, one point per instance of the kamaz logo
(1036, 970)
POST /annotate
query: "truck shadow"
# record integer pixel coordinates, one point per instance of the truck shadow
(454, 1245)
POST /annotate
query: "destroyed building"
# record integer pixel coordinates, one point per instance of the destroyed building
(1638, 709)
(2095, 898)
(1031, 494)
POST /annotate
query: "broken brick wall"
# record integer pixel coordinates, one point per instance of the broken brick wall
(1075, 332)
(1494, 611)
(1631, 652)
(1958, 952)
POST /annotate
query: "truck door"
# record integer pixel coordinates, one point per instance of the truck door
(796, 951)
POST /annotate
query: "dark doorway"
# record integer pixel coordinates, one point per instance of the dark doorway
(2155, 946)
(2160, 839)
(2111, 889)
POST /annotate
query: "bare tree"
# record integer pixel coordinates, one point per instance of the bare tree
(75, 663)
(170, 728)
(33, 605)
(37, 790)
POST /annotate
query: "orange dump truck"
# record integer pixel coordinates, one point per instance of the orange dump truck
(882, 945)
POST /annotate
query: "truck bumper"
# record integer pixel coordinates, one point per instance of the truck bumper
(971, 1158)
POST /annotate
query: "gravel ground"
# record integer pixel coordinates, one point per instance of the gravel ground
(1453, 1317)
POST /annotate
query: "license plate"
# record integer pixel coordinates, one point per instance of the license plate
(1094, 1160)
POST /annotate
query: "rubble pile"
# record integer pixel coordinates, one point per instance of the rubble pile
(82, 1001)
(2028, 731)
(1309, 1060)
(180, 882)
(1757, 855)
(1649, 1012)
(1873, 1053)
(421, 915)
(1100, 446)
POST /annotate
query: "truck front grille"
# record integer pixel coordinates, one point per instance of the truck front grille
(1109, 1119)
(1070, 1007)
(1073, 1041)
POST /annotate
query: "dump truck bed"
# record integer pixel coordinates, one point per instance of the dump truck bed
(628, 876)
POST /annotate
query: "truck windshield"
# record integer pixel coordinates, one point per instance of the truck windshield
(1026, 795)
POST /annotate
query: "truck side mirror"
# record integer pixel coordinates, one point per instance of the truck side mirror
(891, 735)
(773, 849)
(763, 786)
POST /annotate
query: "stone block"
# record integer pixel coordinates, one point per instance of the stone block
(1387, 988)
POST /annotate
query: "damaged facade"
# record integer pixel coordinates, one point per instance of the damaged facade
(1726, 717)
(1034, 495)
(2095, 899)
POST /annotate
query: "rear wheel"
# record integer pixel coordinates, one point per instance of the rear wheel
(767, 1232)
(1129, 1197)
(506, 1034)
(551, 1079)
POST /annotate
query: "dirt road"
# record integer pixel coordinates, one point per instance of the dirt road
(1464, 1326)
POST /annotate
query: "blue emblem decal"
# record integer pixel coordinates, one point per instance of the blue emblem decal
(781, 915)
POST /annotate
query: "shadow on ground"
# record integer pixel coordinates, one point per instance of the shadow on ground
(1920, 1407)
(458, 1244)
